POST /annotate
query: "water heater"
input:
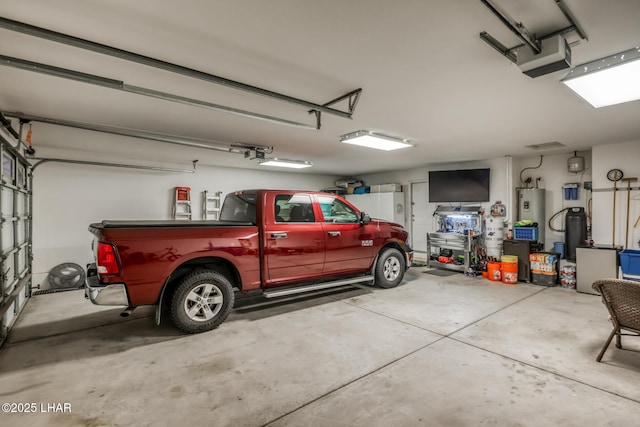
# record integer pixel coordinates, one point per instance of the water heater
(531, 206)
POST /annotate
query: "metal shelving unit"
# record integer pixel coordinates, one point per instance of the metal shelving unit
(460, 230)
(456, 242)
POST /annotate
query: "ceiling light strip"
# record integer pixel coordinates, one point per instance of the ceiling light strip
(607, 81)
(375, 140)
(286, 163)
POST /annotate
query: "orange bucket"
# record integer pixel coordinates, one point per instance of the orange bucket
(510, 269)
(493, 268)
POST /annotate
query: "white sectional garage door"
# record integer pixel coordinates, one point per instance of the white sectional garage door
(15, 235)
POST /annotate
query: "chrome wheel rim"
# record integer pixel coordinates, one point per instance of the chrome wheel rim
(391, 268)
(203, 302)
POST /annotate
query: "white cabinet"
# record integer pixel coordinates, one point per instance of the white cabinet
(386, 206)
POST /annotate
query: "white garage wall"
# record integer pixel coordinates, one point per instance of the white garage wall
(505, 176)
(67, 198)
(499, 188)
(626, 157)
(554, 174)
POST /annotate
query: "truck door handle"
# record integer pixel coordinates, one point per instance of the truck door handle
(334, 233)
(278, 235)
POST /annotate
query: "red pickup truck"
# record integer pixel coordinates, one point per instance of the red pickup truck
(267, 242)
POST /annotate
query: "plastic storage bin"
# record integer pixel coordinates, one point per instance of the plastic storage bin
(559, 248)
(544, 279)
(544, 268)
(630, 264)
(525, 233)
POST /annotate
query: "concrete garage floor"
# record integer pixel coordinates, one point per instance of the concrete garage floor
(451, 351)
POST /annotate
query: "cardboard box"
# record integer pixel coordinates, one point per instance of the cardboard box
(385, 188)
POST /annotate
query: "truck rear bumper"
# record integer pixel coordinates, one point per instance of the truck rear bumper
(114, 294)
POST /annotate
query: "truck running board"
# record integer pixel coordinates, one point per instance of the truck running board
(316, 287)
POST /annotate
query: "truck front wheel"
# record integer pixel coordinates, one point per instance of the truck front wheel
(202, 301)
(390, 268)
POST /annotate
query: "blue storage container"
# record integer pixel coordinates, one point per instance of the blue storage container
(630, 262)
(364, 189)
(525, 233)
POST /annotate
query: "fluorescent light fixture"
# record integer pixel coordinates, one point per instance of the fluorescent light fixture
(285, 163)
(607, 81)
(370, 139)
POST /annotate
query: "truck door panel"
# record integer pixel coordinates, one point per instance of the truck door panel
(348, 246)
(294, 241)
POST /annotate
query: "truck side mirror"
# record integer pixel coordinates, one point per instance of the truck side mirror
(364, 218)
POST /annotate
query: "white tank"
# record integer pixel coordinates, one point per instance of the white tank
(494, 235)
(575, 164)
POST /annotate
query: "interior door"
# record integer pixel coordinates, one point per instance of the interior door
(294, 241)
(348, 247)
(420, 220)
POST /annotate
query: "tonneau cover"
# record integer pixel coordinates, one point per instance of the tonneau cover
(167, 224)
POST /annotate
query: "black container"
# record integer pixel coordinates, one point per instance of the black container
(549, 278)
(521, 249)
(575, 231)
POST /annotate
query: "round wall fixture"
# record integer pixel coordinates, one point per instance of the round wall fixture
(614, 175)
(575, 164)
(66, 276)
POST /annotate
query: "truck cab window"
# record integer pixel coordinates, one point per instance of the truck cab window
(294, 208)
(335, 210)
(239, 207)
(277, 208)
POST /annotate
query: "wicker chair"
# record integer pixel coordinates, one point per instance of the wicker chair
(622, 298)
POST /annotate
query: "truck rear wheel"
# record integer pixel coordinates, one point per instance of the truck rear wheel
(202, 301)
(390, 268)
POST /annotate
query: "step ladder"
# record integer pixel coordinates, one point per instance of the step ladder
(211, 205)
(182, 204)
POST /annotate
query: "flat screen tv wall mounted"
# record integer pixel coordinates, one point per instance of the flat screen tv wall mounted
(466, 185)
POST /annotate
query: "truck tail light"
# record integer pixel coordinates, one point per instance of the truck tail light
(107, 260)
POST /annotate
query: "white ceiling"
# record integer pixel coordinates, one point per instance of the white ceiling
(424, 71)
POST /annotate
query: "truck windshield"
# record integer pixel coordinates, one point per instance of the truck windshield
(239, 207)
